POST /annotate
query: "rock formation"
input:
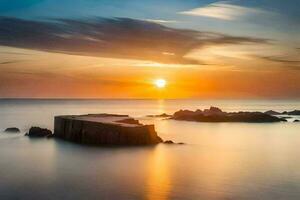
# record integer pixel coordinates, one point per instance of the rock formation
(272, 112)
(12, 130)
(161, 115)
(169, 142)
(217, 115)
(104, 129)
(294, 112)
(39, 132)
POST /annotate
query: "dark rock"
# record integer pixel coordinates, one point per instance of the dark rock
(168, 142)
(186, 113)
(212, 111)
(39, 132)
(161, 115)
(217, 115)
(295, 112)
(171, 142)
(12, 130)
(296, 120)
(272, 112)
(104, 129)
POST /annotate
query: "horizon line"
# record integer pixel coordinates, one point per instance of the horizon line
(64, 98)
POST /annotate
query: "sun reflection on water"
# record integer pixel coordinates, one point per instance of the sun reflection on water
(158, 186)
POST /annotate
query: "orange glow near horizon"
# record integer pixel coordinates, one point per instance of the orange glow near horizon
(55, 75)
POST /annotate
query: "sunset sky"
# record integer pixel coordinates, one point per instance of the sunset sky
(119, 48)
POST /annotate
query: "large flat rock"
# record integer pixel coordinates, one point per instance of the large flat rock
(104, 129)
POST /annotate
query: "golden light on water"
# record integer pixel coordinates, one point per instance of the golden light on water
(160, 83)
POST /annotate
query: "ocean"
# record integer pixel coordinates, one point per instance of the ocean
(220, 161)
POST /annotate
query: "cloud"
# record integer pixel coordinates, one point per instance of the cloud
(160, 21)
(9, 62)
(13, 53)
(280, 60)
(291, 64)
(224, 10)
(122, 38)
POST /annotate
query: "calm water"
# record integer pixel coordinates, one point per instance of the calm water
(227, 161)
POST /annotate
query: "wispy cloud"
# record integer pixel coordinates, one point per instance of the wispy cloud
(280, 60)
(123, 38)
(160, 21)
(9, 62)
(224, 10)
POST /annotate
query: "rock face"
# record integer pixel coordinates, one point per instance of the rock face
(217, 115)
(12, 130)
(104, 129)
(39, 132)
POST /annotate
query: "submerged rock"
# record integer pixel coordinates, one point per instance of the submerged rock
(217, 115)
(39, 132)
(12, 130)
(104, 129)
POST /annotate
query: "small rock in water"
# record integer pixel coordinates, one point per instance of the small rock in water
(39, 132)
(168, 142)
(161, 115)
(296, 120)
(12, 130)
(171, 142)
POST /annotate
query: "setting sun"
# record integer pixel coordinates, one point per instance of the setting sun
(160, 83)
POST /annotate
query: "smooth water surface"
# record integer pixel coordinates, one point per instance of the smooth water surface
(228, 161)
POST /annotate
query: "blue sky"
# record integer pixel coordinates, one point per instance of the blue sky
(282, 24)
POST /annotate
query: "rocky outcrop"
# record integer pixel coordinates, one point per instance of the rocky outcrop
(217, 115)
(161, 115)
(39, 132)
(272, 112)
(12, 130)
(104, 129)
(294, 112)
